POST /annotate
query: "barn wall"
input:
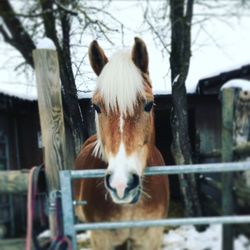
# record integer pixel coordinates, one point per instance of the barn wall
(208, 125)
(208, 140)
(28, 129)
(21, 124)
(29, 154)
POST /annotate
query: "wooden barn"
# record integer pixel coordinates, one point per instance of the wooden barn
(209, 139)
(21, 146)
(19, 149)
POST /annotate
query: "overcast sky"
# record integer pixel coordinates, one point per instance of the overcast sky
(220, 42)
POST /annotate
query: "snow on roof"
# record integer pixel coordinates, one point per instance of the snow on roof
(191, 88)
(29, 92)
(19, 90)
(237, 83)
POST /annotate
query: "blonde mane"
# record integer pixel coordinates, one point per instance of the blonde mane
(120, 83)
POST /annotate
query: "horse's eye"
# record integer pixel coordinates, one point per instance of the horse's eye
(97, 108)
(148, 106)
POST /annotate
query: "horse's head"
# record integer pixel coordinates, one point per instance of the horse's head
(123, 101)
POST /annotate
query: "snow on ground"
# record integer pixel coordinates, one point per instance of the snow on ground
(187, 238)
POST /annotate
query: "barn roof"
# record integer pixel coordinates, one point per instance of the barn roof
(206, 86)
(213, 84)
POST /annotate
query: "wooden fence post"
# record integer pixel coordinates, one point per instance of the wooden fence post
(227, 156)
(14, 181)
(242, 153)
(52, 122)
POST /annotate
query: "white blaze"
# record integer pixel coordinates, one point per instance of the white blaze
(121, 124)
(122, 166)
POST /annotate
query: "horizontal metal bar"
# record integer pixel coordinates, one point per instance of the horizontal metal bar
(240, 219)
(79, 203)
(175, 169)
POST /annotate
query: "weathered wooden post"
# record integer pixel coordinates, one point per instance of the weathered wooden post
(242, 150)
(227, 156)
(14, 181)
(52, 122)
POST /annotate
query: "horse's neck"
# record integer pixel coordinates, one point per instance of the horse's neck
(155, 157)
(86, 158)
(152, 120)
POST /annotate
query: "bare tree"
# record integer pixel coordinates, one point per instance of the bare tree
(181, 19)
(54, 19)
(177, 18)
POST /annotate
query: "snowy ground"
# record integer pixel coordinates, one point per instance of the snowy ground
(187, 238)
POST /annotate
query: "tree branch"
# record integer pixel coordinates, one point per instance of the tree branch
(97, 25)
(20, 38)
(33, 15)
(157, 34)
(5, 35)
(65, 9)
(49, 21)
(189, 11)
(187, 36)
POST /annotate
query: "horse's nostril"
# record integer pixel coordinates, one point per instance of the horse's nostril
(135, 181)
(121, 187)
(107, 181)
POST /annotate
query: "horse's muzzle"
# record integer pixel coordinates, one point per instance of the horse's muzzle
(121, 192)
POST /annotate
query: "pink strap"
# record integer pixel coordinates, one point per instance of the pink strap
(30, 210)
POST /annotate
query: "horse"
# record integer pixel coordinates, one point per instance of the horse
(124, 146)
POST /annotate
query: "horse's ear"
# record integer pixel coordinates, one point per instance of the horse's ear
(97, 57)
(140, 55)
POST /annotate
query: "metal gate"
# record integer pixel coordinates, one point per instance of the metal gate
(70, 229)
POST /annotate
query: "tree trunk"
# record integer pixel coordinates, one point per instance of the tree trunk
(15, 34)
(179, 63)
(76, 131)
